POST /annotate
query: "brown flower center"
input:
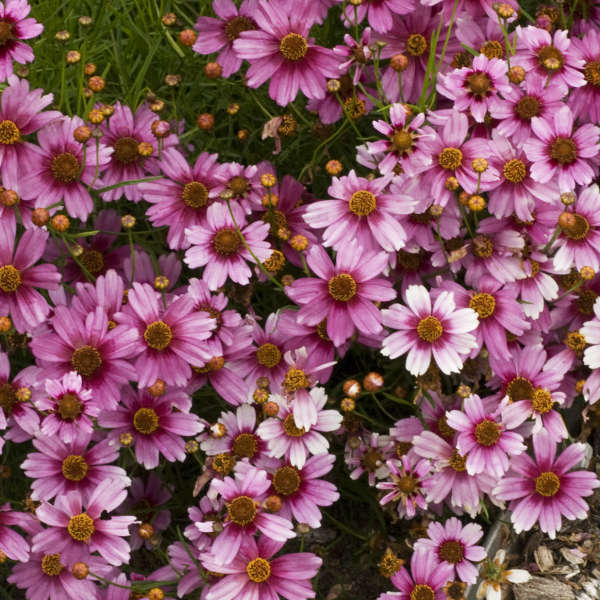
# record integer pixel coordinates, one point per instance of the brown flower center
(450, 159)
(520, 388)
(528, 107)
(342, 287)
(547, 484)
(69, 407)
(591, 72)
(542, 401)
(362, 203)
(451, 551)
(51, 565)
(10, 279)
(9, 132)
(226, 242)
(286, 481)
(458, 462)
(402, 141)
(8, 397)
(483, 247)
(223, 463)
(430, 329)
(479, 84)
(86, 360)
(295, 379)
(563, 150)
(195, 194)
(242, 510)
(422, 592)
(81, 527)
(577, 228)
(235, 26)
(276, 220)
(258, 570)
(483, 304)
(514, 170)
(268, 355)
(92, 260)
(371, 459)
(74, 467)
(402, 448)
(487, 433)
(586, 301)
(158, 335)
(445, 430)
(492, 49)
(293, 47)
(65, 167)
(239, 185)
(407, 484)
(6, 32)
(575, 341)
(416, 44)
(145, 420)
(245, 445)
(126, 150)
(322, 331)
(213, 313)
(550, 58)
(290, 427)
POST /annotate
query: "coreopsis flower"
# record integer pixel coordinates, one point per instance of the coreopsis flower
(442, 331)
(585, 100)
(562, 150)
(484, 437)
(63, 169)
(281, 49)
(75, 533)
(426, 578)
(253, 573)
(59, 467)
(546, 489)
(355, 53)
(218, 35)
(11, 543)
(21, 113)
(243, 183)
(455, 545)
(476, 88)
(369, 457)
(494, 575)
(14, 27)
(152, 424)
(19, 278)
(218, 247)
(379, 13)
(342, 293)
(180, 199)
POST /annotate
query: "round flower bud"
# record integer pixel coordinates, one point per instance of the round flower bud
(126, 439)
(476, 203)
(233, 109)
(161, 282)
(96, 116)
(347, 404)
(127, 221)
(579, 386)
(62, 36)
(5, 324)
(334, 85)
(172, 79)
(373, 381)
(480, 165)
(568, 198)
(260, 396)
(89, 68)
(516, 74)
(9, 198)
(302, 528)
(158, 388)
(333, 167)
(587, 273)
(269, 200)
(107, 109)
(271, 408)
(23, 394)
(73, 56)
(463, 391)
(82, 134)
(79, 570)
(436, 210)
(40, 216)
(262, 382)
(157, 105)
(85, 20)
(145, 149)
(299, 242)
(156, 594)
(352, 388)
(451, 184)
(354, 442)
(213, 70)
(463, 198)
(205, 121)
(399, 62)
(567, 220)
(169, 19)
(145, 531)
(243, 135)
(504, 10)
(273, 503)
(187, 37)
(96, 83)
(60, 223)
(160, 128)
(287, 279)
(268, 180)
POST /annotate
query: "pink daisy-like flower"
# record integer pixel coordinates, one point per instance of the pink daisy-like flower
(343, 293)
(218, 35)
(547, 489)
(62, 167)
(585, 100)
(21, 114)
(169, 340)
(11, 543)
(476, 88)
(218, 247)
(181, 198)
(19, 278)
(562, 150)
(378, 12)
(484, 437)
(153, 424)
(455, 545)
(280, 49)
(369, 457)
(14, 27)
(253, 573)
(355, 53)
(286, 439)
(361, 213)
(70, 408)
(441, 331)
(591, 332)
(59, 468)
(426, 578)
(76, 533)
(245, 515)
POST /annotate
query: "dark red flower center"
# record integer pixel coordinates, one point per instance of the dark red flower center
(65, 167)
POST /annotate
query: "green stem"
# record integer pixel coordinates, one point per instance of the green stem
(114, 186)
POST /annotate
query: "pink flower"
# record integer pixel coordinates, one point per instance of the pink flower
(591, 333)
(442, 331)
(378, 12)
(253, 573)
(355, 53)
(562, 150)
(547, 489)
(585, 100)
(370, 457)
(454, 545)
(343, 294)
(280, 49)
(11, 543)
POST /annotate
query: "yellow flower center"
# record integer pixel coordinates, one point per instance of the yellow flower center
(195, 194)
(295, 379)
(8, 397)
(450, 159)
(458, 462)
(483, 304)
(51, 565)
(86, 360)
(550, 58)
(407, 484)
(239, 185)
(81, 527)
(430, 329)
(74, 467)
(9, 133)
(242, 510)
(547, 484)
(69, 407)
(342, 287)
(362, 203)
(371, 459)
(258, 570)
(286, 480)
(145, 420)
(402, 141)
(158, 335)
(290, 427)
(245, 445)
(482, 246)
(10, 279)
(416, 44)
(422, 592)
(268, 355)
(6, 32)
(492, 49)
(65, 167)
(235, 26)
(575, 341)
(520, 388)
(445, 430)
(487, 433)
(542, 401)
(226, 242)
(479, 84)
(514, 170)
(293, 47)
(591, 72)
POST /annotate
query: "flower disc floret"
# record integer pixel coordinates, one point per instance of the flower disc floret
(86, 360)
(9, 133)
(158, 335)
(51, 565)
(146, 421)
(547, 484)
(74, 467)
(8, 397)
(342, 287)
(591, 72)
(578, 227)
(430, 329)
(286, 480)
(563, 150)
(528, 107)
(520, 388)
(479, 84)
(259, 570)
(362, 203)
(402, 141)
(290, 427)
(226, 242)
(195, 194)
(451, 551)
(514, 170)
(242, 510)
(65, 167)
(6, 32)
(81, 527)
(416, 44)
(69, 407)
(492, 49)
(487, 432)
(542, 401)
(10, 279)
(293, 47)
(126, 150)
(450, 159)
(295, 379)
(422, 592)
(483, 304)
(245, 445)
(92, 260)
(407, 484)
(550, 58)
(235, 26)
(268, 355)
(458, 462)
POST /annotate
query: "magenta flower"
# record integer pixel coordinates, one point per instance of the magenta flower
(253, 573)
(19, 278)
(455, 546)
(441, 331)
(343, 294)
(379, 12)
(280, 49)
(21, 114)
(547, 489)
(562, 150)
(218, 35)
(61, 467)
(14, 27)
(355, 53)
(11, 543)
(218, 247)
(61, 168)
(369, 457)
(585, 100)
(153, 425)
(484, 437)
(76, 533)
